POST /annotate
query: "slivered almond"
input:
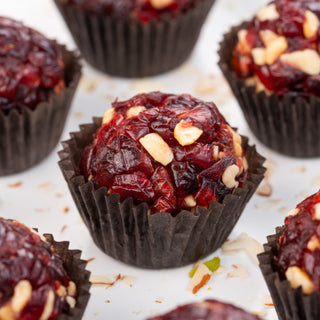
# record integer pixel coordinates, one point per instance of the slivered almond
(258, 55)
(48, 307)
(71, 301)
(6, 312)
(297, 277)
(157, 148)
(21, 296)
(307, 60)
(267, 36)
(108, 116)
(200, 278)
(265, 190)
(185, 133)
(72, 289)
(275, 48)
(310, 24)
(134, 111)
(268, 12)
(160, 4)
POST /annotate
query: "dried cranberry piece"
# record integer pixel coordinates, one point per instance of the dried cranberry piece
(184, 177)
(206, 193)
(135, 185)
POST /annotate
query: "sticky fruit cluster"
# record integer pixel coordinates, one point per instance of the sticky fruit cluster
(171, 151)
(31, 66)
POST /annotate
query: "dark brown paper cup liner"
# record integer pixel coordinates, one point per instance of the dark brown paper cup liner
(76, 269)
(27, 137)
(290, 304)
(130, 48)
(286, 124)
(127, 233)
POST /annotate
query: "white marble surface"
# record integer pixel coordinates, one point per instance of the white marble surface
(43, 200)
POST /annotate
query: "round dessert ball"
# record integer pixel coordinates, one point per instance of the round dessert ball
(272, 64)
(290, 263)
(207, 310)
(278, 50)
(298, 257)
(33, 281)
(173, 152)
(31, 66)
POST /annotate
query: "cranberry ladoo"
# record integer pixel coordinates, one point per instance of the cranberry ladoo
(173, 152)
(135, 38)
(33, 282)
(144, 10)
(161, 179)
(38, 78)
(291, 262)
(272, 64)
(31, 66)
(207, 310)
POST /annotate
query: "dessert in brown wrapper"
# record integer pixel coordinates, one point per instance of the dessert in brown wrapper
(135, 38)
(40, 278)
(207, 310)
(161, 180)
(39, 78)
(272, 65)
(290, 263)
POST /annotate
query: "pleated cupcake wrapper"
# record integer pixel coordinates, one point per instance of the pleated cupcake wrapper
(286, 124)
(129, 234)
(27, 137)
(75, 268)
(290, 304)
(131, 48)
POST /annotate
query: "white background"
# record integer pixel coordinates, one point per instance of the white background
(42, 198)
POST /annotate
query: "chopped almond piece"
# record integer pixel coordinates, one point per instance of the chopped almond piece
(108, 116)
(134, 111)
(48, 307)
(297, 277)
(267, 36)
(157, 148)
(316, 213)
(21, 296)
(185, 133)
(160, 4)
(310, 24)
(265, 190)
(313, 243)
(229, 175)
(275, 48)
(190, 201)
(258, 55)
(293, 212)
(307, 60)
(243, 45)
(268, 12)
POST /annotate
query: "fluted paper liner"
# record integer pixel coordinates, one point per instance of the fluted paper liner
(131, 48)
(290, 304)
(76, 269)
(27, 137)
(127, 233)
(287, 124)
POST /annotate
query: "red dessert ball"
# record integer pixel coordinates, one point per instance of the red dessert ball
(31, 66)
(171, 151)
(143, 10)
(279, 48)
(298, 256)
(33, 282)
(207, 310)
